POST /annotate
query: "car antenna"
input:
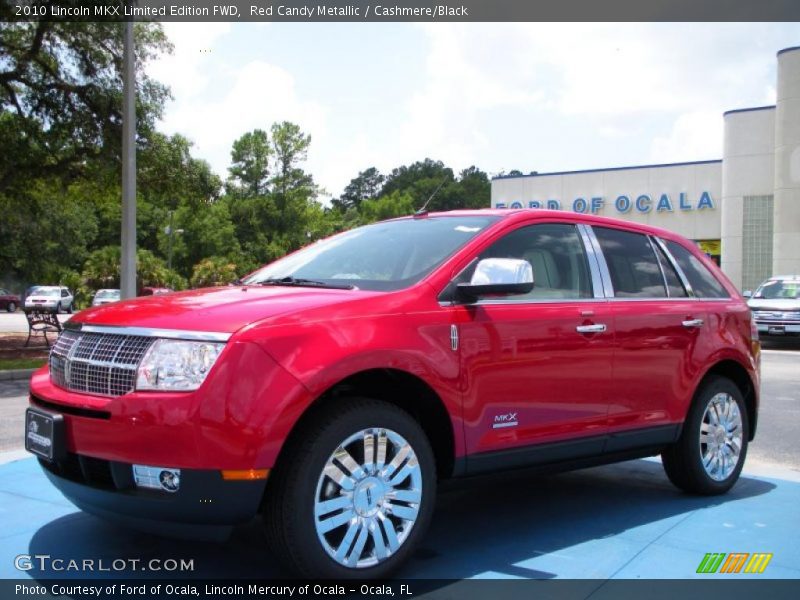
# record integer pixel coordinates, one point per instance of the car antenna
(423, 210)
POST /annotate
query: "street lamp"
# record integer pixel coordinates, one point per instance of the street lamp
(169, 230)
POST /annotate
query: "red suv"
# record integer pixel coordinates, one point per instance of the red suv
(332, 389)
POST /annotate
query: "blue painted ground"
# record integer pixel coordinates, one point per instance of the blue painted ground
(621, 521)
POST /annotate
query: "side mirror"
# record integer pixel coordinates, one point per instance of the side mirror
(747, 293)
(498, 276)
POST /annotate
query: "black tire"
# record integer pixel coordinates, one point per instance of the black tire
(289, 516)
(12, 306)
(69, 308)
(683, 461)
(58, 308)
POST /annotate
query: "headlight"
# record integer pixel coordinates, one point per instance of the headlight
(176, 365)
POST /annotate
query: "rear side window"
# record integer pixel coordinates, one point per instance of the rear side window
(633, 265)
(703, 282)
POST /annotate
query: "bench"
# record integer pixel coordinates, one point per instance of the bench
(41, 322)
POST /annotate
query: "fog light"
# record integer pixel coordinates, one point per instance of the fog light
(157, 478)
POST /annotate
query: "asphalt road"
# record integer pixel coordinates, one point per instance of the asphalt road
(16, 323)
(777, 441)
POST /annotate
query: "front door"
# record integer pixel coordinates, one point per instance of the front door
(537, 366)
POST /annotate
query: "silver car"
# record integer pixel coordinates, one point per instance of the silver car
(776, 306)
(105, 297)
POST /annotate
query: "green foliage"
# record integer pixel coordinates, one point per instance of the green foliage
(250, 164)
(213, 271)
(395, 204)
(61, 97)
(366, 185)
(102, 270)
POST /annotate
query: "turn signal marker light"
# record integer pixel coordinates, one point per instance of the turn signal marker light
(245, 475)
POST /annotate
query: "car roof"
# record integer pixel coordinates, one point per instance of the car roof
(783, 278)
(527, 214)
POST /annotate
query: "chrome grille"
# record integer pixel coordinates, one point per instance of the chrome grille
(776, 315)
(97, 363)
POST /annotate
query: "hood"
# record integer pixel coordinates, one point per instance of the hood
(782, 304)
(222, 309)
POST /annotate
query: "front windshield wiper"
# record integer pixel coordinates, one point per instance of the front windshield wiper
(300, 282)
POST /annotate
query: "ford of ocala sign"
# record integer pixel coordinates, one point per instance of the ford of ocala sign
(643, 203)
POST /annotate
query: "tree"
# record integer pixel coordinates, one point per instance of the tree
(61, 96)
(212, 272)
(101, 270)
(420, 179)
(396, 204)
(367, 184)
(249, 170)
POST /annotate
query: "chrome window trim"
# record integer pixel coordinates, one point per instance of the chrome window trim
(594, 265)
(677, 267)
(660, 266)
(605, 274)
(172, 334)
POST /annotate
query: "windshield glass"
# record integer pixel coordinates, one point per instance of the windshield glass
(773, 290)
(107, 294)
(384, 256)
(43, 291)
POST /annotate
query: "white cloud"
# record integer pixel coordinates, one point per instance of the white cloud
(694, 136)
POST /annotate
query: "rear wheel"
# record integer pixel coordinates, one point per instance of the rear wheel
(354, 493)
(710, 454)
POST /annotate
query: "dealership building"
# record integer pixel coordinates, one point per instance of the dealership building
(743, 210)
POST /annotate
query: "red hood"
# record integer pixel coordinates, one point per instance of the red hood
(223, 309)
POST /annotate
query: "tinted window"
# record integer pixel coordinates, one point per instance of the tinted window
(674, 285)
(704, 284)
(557, 256)
(632, 264)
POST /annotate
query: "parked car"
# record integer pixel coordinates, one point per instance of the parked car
(105, 297)
(776, 306)
(155, 291)
(8, 301)
(50, 297)
(333, 388)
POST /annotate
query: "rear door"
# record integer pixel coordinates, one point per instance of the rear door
(537, 366)
(658, 338)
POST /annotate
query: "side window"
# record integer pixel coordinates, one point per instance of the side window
(674, 284)
(632, 264)
(703, 282)
(64, 293)
(558, 258)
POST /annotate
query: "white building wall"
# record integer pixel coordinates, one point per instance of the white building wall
(747, 170)
(786, 215)
(690, 179)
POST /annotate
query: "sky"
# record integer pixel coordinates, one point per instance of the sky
(528, 96)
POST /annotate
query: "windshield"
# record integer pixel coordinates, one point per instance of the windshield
(775, 289)
(107, 294)
(384, 256)
(43, 291)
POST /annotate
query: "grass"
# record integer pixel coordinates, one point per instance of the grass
(21, 363)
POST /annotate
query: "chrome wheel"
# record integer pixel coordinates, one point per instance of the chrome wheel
(721, 436)
(368, 498)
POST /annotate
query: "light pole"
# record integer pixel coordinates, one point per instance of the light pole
(128, 237)
(169, 230)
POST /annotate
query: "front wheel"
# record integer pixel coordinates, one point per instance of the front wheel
(69, 308)
(710, 454)
(353, 494)
(11, 307)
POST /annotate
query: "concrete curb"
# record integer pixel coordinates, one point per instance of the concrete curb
(16, 374)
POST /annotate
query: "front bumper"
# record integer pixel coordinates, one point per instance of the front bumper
(204, 507)
(778, 328)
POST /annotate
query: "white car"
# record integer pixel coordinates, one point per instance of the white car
(776, 306)
(105, 297)
(50, 297)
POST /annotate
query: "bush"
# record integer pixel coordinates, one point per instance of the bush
(213, 271)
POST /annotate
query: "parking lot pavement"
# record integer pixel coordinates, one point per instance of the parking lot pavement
(620, 521)
(17, 323)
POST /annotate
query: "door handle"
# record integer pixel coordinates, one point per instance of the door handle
(693, 323)
(596, 328)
